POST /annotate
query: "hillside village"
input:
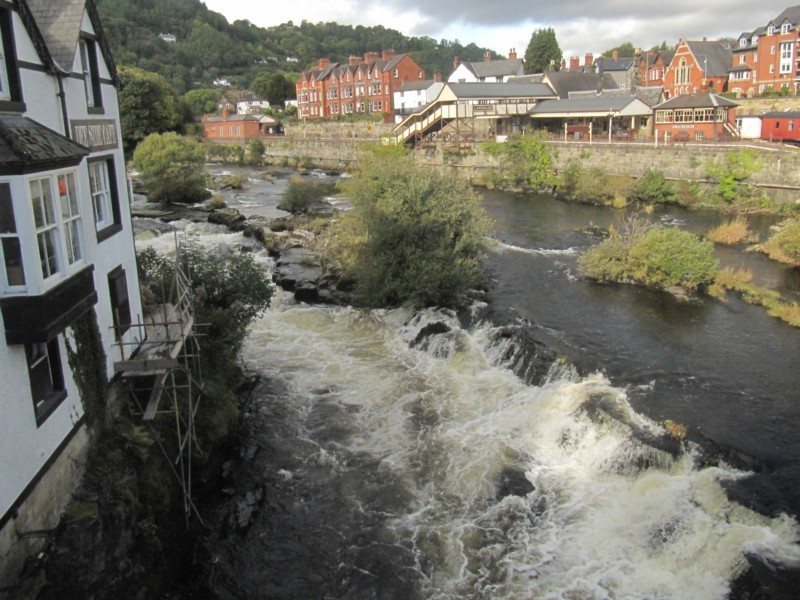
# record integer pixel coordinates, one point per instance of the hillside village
(685, 94)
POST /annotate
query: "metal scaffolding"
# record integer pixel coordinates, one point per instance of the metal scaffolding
(163, 376)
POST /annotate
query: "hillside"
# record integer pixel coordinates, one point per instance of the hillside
(207, 47)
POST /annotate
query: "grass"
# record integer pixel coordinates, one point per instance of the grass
(732, 232)
(741, 282)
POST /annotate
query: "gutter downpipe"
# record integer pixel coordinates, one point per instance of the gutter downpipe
(63, 98)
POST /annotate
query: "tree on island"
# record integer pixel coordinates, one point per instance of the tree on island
(543, 52)
(172, 168)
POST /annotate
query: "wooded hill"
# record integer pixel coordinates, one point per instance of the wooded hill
(207, 47)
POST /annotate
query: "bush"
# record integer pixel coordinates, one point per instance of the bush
(172, 168)
(730, 173)
(528, 162)
(593, 186)
(653, 188)
(657, 257)
(784, 246)
(414, 236)
(304, 196)
(731, 232)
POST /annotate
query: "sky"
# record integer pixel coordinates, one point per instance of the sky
(581, 26)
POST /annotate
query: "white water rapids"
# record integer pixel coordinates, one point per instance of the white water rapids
(604, 516)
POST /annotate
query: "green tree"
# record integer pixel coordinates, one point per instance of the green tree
(274, 88)
(543, 52)
(527, 160)
(172, 168)
(202, 102)
(414, 235)
(731, 172)
(147, 104)
(624, 49)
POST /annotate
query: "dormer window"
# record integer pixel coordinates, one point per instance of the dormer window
(771, 30)
(755, 39)
(742, 42)
(785, 28)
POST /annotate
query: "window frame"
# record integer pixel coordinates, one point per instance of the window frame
(120, 301)
(46, 377)
(10, 244)
(11, 96)
(90, 72)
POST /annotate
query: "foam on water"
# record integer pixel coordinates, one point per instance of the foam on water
(602, 515)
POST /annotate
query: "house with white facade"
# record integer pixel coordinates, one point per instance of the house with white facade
(413, 95)
(66, 253)
(490, 70)
(250, 104)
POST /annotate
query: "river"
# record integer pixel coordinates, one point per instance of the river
(378, 467)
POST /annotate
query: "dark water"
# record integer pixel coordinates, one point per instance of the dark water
(375, 468)
(727, 370)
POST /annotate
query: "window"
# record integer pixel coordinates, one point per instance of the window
(44, 216)
(396, 73)
(699, 136)
(742, 42)
(771, 30)
(785, 28)
(684, 115)
(790, 126)
(105, 202)
(91, 75)
(9, 240)
(682, 73)
(46, 378)
(772, 68)
(755, 39)
(120, 304)
(787, 52)
(664, 116)
(70, 216)
(772, 49)
(10, 89)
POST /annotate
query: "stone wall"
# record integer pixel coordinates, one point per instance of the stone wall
(757, 106)
(341, 147)
(330, 130)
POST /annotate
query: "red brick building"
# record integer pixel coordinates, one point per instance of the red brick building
(696, 117)
(653, 65)
(780, 126)
(768, 56)
(238, 128)
(697, 68)
(366, 85)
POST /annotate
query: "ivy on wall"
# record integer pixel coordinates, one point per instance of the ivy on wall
(87, 360)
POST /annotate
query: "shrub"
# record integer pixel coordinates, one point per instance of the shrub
(414, 235)
(527, 161)
(304, 196)
(172, 168)
(593, 186)
(734, 231)
(653, 188)
(657, 257)
(730, 172)
(784, 246)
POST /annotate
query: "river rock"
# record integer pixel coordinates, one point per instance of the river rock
(230, 217)
(529, 358)
(298, 271)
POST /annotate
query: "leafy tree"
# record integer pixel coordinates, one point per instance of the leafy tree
(543, 52)
(305, 196)
(274, 88)
(147, 104)
(203, 101)
(624, 49)
(653, 188)
(731, 172)
(527, 160)
(172, 168)
(414, 235)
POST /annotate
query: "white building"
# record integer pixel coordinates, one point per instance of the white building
(250, 104)
(414, 94)
(66, 248)
(489, 70)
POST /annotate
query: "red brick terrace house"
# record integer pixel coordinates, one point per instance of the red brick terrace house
(768, 56)
(366, 85)
(695, 117)
(698, 67)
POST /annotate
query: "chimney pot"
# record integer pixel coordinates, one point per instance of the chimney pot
(588, 60)
(574, 63)
(488, 56)
(512, 54)
(615, 54)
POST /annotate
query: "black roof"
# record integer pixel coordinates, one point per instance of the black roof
(27, 146)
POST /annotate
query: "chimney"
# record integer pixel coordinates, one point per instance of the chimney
(615, 54)
(588, 60)
(512, 54)
(437, 77)
(387, 54)
(370, 56)
(563, 64)
(600, 74)
(574, 63)
(324, 62)
(455, 63)
(488, 56)
(354, 60)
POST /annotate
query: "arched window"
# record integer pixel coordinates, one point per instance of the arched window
(682, 73)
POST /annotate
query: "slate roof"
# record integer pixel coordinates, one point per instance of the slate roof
(230, 118)
(715, 57)
(416, 84)
(623, 63)
(789, 114)
(650, 95)
(596, 104)
(26, 145)
(564, 82)
(60, 24)
(791, 14)
(496, 89)
(696, 101)
(496, 68)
